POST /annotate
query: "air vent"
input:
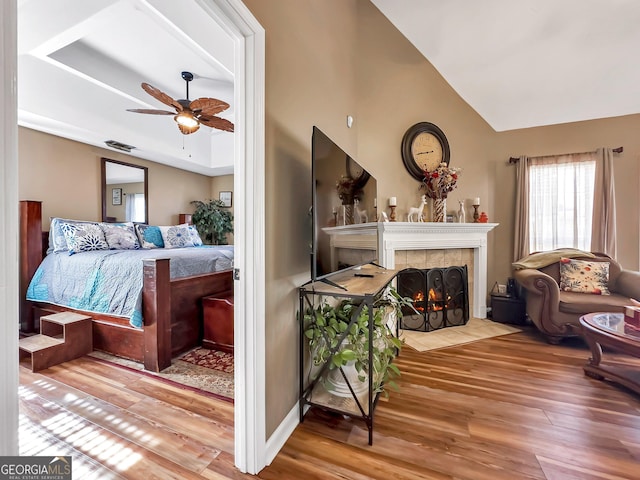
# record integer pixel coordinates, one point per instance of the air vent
(119, 146)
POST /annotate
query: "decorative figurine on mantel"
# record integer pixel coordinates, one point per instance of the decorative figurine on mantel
(415, 213)
(462, 216)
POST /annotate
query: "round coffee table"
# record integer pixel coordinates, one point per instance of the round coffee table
(608, 330)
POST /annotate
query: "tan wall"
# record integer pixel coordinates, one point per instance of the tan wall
(310, 80)
(65, 176)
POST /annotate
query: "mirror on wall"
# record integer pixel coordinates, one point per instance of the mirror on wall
(125, 192)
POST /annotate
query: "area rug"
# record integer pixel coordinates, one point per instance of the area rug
(475, 329)
(210, 371)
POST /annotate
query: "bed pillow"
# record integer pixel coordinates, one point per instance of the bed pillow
(584, 277)
(176, 236)
(120, 236)
(57, 241)
(195, 236)
(83, 237)
(149, 236)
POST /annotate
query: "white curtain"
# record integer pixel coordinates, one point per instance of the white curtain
(561, 193)
(134, 207)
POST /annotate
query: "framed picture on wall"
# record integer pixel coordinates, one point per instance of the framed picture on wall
(225, 198)
(116, 196)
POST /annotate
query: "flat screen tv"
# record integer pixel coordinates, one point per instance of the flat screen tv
(343, 193)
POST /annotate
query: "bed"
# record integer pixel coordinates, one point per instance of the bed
(150, 325)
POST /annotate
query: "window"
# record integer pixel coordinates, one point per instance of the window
(561, 201)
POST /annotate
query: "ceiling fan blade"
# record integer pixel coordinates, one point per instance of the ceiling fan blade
(216, 122)
(150, 111)
(161, 96)
(208, 106)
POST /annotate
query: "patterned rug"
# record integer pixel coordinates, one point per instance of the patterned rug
(210, 371)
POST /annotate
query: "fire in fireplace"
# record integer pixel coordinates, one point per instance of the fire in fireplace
(440, 297)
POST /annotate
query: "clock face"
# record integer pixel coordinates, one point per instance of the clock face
(426, 151)
(424, 147)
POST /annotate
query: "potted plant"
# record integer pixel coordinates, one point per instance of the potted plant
(213, 221)
(326, 325)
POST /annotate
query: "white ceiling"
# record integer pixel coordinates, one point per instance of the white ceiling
(81, 63)
(527, 63)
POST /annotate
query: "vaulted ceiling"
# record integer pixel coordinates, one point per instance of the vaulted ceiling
(527, 63)
(80, 66)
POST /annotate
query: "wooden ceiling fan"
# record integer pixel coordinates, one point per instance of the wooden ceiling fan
(189, 114)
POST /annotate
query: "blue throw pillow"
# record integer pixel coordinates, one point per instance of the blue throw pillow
(149, 236)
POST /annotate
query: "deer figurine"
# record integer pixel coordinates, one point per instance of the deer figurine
(415, 213)
(361, 216)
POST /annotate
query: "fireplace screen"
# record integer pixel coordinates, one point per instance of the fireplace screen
(440, 298)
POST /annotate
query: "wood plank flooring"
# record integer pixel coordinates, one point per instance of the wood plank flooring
(510, 407)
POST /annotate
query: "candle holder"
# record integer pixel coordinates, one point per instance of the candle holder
(476, 215)
(392, 215)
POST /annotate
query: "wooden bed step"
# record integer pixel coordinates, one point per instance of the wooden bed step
(64, 336)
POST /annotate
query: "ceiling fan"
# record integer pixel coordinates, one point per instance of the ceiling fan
(189, 114)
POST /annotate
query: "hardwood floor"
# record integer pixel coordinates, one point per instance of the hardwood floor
(510, 407)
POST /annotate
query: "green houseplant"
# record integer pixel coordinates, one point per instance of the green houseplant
(213, 221)
(326, 325)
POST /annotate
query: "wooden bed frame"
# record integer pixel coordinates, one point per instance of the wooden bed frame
(172, 309)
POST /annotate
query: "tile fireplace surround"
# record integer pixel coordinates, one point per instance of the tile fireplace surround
(420, 245)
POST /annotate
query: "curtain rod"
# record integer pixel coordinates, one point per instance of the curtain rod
(615, 150)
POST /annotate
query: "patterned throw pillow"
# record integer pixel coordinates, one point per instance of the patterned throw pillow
(120, 236)
(57, 241)
(584, 277)
(149, 236)
(176, 236)
(83, 237)
(195, 236)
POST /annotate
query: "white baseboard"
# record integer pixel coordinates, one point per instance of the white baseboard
(281, 434)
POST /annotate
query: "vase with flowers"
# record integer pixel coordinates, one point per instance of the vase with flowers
(348, 192)
(438, 183)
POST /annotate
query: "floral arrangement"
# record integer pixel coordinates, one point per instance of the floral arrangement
(347, 190)
(439, 182)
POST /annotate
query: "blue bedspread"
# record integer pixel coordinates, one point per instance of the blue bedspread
(110, 281)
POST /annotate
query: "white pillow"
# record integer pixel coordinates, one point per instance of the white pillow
(176, 236)
(195, 236)
(120, 236)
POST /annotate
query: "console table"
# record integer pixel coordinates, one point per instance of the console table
(362, 286)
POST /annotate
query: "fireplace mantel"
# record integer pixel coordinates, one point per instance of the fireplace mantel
(388, 237)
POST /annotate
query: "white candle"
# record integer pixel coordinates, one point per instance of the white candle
(392, 202)
(476, 201)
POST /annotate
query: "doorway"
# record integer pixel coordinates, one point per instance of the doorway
(249, 53)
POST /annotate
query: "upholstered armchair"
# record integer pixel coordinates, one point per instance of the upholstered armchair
(555, 312)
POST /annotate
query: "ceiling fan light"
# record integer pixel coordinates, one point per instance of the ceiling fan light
(186, 119)
(187, 123)
(187, 130)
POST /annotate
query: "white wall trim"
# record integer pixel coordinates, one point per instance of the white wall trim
(249, 232)
(281, 434)
(9, 289)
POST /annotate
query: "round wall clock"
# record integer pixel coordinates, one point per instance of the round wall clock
(424, 147)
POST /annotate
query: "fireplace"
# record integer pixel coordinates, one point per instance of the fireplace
(440, 297)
